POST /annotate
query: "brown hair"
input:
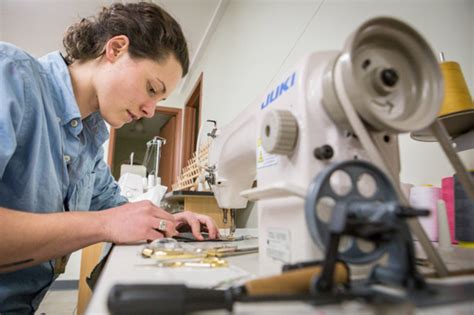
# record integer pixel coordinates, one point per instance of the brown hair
(152, 32)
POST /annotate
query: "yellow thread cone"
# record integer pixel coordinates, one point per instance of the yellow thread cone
(456, 94)
(457, 110)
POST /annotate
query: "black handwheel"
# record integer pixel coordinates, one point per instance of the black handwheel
(341, 185)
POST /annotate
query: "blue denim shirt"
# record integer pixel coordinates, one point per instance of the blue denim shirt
(50, 159)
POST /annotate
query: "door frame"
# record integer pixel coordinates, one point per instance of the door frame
(171, 111)
(188, 134)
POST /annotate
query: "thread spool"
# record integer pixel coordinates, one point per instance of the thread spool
(444, 238)
(457, 110)
(464, 211)
(456, 93)
(426, 197)
(447, 194)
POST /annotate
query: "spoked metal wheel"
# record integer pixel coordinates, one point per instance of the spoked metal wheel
(342, 185)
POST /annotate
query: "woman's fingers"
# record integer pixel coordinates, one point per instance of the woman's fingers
(166, 227)
(195, 221)
(195, 226)
(212, 229)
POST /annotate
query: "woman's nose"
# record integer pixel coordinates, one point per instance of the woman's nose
(148, 109)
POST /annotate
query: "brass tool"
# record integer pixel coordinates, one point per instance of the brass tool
(168, 248)
(231, 251)
(209, 262)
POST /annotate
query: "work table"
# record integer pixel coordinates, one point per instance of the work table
(126, 266)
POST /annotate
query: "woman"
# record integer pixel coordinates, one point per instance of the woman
(118, 65)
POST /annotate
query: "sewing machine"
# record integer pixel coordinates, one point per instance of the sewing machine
(333, 106)
(322, 147)
(395, 286)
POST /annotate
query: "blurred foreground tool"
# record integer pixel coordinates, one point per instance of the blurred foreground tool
(179, 299)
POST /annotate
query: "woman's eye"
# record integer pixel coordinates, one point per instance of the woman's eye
(151, 91)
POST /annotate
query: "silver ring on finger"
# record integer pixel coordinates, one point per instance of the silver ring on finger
(162, 226)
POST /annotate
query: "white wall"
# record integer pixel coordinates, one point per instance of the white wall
(38, 26)
(1, 20)
(254, 38)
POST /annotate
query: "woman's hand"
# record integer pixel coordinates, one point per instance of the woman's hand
(138, 221)
(194, 221)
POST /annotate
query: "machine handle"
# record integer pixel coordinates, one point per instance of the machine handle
(160, 299)
(296, 281)
(163, 299)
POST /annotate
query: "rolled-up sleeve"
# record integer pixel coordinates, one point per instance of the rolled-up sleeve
(12, 104)
(106, 190)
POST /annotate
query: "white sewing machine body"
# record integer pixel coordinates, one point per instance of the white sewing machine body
(282, 180)
(283, 233)
(233, 154)
(311, 92)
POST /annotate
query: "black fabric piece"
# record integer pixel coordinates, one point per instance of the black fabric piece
(189, 237)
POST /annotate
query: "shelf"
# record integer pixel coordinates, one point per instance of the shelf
(179, 195)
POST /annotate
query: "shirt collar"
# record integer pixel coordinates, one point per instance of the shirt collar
(96, 125)
(67, 108)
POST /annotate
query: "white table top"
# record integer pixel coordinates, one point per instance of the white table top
(126, 266)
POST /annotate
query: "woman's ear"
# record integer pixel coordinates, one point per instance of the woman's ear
(115, 47)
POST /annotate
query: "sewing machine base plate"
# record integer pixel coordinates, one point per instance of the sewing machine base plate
(432, 295)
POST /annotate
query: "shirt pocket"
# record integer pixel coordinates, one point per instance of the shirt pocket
(82, 192)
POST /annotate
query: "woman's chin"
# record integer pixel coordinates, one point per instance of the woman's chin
(115, 124)
(119, 125)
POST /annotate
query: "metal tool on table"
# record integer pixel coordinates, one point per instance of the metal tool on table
(372, 219)
(208, 262)
(227, 251)
(168, 252)
(169, 249)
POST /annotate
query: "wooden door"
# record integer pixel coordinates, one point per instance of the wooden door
(175, 161)
(167, 159)
(190, 134)
(192, 120)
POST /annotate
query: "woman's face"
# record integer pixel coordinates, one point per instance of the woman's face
(129, 89)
